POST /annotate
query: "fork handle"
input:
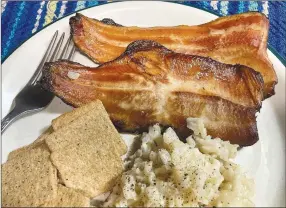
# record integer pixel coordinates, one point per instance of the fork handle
(10, 118)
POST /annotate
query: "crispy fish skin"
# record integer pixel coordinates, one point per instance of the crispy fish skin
(150, 84)
(237, 39)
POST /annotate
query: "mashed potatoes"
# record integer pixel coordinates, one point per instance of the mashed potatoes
(167, 172)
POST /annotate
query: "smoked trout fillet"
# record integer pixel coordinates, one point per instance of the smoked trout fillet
(151, 84)
(237, 39)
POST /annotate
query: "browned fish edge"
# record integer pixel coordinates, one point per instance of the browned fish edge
(76, 29)
(141, 45)
(120, 126)
(76, 20)
(145, 45)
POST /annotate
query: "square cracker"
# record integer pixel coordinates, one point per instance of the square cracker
(29, 180)
(36, 143)
(88, 167)
(68, 117)
(67, 197)
(95, 125)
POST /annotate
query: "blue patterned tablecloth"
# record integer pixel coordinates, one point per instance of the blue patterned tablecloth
(21, 19)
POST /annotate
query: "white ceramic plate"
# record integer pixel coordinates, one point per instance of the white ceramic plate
(265, 160)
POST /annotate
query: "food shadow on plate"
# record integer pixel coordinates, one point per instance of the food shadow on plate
(58, 106)
(81, 57)
(135, 145)
(45, 130)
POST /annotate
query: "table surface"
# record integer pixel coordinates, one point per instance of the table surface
(22, 19)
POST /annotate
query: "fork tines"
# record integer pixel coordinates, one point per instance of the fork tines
(52, 54)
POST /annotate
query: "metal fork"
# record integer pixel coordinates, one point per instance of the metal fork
(33, 98)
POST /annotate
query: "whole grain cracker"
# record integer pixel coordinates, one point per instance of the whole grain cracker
(67, 197)
(29, 180)
(88, 167)
(95, 125)
(68, 117)
(33, 145)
